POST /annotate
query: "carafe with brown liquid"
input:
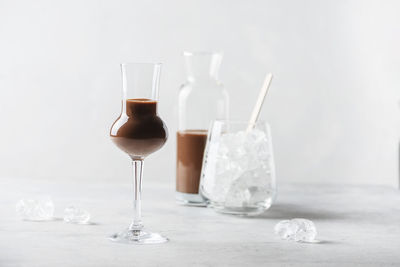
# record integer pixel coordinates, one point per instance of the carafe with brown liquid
(202, 99)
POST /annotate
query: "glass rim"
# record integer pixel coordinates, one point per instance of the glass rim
(241, 122)
(141, 63)
(202, 52)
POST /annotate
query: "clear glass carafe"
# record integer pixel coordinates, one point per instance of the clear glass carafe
(202, 99)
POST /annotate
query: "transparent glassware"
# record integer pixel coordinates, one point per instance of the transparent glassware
(202, 99)
(238, 175)
(139, 131)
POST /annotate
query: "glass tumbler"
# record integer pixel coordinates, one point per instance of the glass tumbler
(238, 174)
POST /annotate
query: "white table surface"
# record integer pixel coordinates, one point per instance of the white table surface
(357, 226)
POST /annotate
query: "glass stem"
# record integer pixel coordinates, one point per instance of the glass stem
(137, 197)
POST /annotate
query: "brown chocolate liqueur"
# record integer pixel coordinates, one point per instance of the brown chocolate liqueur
(139, 131)
(190, 151)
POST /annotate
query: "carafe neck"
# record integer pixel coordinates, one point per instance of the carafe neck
(202, 66)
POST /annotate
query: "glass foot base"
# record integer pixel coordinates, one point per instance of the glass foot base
(241, 211)
(138, 237)
(190, 199)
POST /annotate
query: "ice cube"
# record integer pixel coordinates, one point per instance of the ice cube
(282, 229)
(76, 215)
(250, 189)
(35, 209)
(260, 195)
(299, 230)
(255, 137)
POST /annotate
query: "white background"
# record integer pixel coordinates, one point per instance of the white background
(333, 105)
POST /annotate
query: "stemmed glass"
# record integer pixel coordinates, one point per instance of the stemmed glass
(139, 131)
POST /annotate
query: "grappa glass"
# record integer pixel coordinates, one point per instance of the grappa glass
(139, 131)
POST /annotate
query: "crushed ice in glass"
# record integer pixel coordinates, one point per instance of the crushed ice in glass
(76, 215)
(35, 209)
(242, 175)
(299, 230)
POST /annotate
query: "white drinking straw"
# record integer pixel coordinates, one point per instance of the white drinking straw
(260, 101)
